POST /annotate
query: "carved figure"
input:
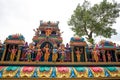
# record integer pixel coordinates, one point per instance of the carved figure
(47, 52)
(13, 53)
(78, 54)
(55, 55)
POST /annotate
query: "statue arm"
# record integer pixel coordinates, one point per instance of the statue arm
(9, 50)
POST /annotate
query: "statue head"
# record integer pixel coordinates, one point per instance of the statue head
(47, 45)
(77, 48)
(62, 46)
(55, 46)
(14, 47)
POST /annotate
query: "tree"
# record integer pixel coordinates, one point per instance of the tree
(96, 20)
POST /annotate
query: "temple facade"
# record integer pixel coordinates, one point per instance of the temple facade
(48, 58)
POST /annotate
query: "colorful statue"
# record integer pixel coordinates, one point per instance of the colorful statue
(67, 46)
(29, 51)
(48, 31)
(55, 55)
(24, 51)
(39, 54)
(78, 54)
(62, 52)
(47, 52)
(109, 56)
(103, 55)
(59, 33)
(95, 55)
(62, 56)
(13, 53)
(68, 55)
(36, 32)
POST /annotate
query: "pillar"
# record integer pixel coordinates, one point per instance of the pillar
(85, 54)
(72, 55)
(3, 56)
(19, 52)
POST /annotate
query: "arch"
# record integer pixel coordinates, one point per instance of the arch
(50, 49)
(42, 45)
(52, 41)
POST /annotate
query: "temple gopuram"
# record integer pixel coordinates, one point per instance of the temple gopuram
(48, 58)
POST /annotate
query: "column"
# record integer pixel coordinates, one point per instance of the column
(19, 52)
(3, 56)
(85, 54)
(72, 55)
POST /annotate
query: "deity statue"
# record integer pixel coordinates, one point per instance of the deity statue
(67, 46)
(29, 51)
(96, 55)
(62, 52)
(62, 58)
(39, 54)
(78, 54)
(48, 32)
(24, 51)
(36, 32)
(109, 56)
(13, 53)
(103, 55)
(47, 52)
(59, 33)
(55, 55)
(68, 54)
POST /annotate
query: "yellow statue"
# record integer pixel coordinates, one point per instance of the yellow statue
(95, 55)
(48, 32)
(13, 53)
(55, 55)
(47, 52)
(78, 54)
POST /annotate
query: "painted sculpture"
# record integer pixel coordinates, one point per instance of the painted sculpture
(47, 57)
(47, 52)
(107, 48)
(78, 45)
(55, 54)
(13, 53)
(62, 52)
(78, 54)
(39, 54)
(96, 55)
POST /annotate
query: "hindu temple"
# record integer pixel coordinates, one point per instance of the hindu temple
(48, 58)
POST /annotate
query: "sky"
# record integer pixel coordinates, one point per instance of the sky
(22, 16)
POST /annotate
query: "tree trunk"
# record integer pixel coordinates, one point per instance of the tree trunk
(90, 39)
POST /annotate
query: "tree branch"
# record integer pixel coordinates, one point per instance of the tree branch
(86, 29)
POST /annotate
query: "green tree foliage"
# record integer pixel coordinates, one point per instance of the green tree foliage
(95, 20)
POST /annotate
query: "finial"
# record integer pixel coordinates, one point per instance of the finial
(41, 22)
(48, 23)
(57, 23)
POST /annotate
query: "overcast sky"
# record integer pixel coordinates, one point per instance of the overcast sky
(22, 16)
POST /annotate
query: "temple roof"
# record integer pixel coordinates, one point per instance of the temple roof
(48, 24)
(77, 41)
(15, 39)
(107, 44)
